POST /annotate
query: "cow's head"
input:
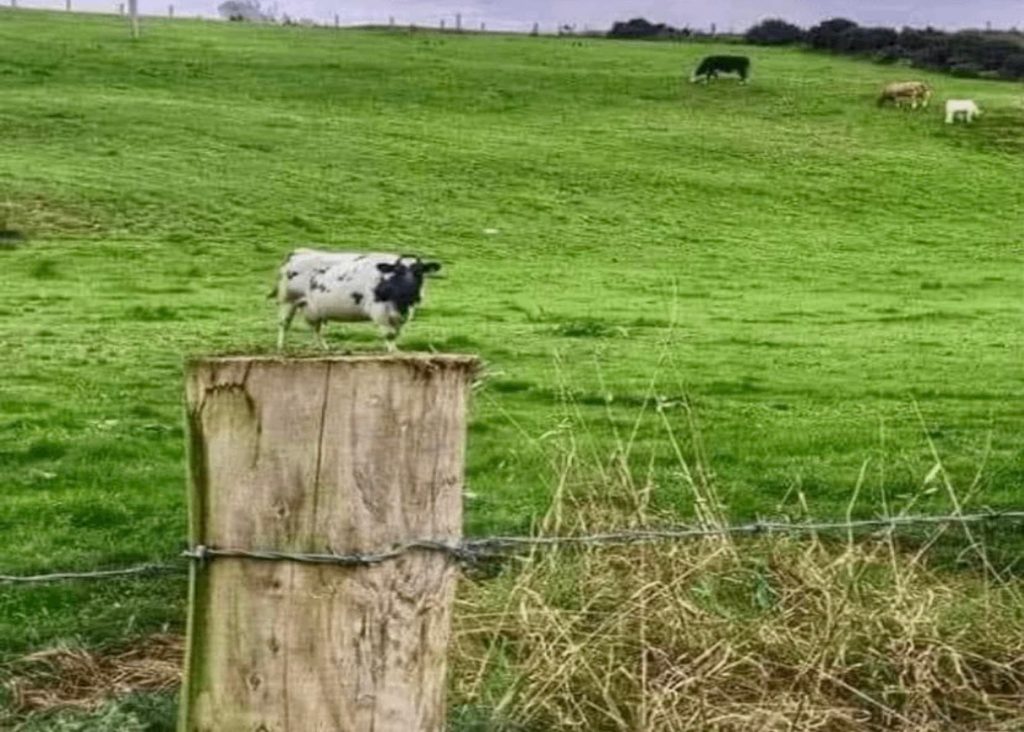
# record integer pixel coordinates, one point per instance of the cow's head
(402, 281)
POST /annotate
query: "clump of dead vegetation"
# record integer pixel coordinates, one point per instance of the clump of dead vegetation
(67, 677)
(718, 635)
(769, 633)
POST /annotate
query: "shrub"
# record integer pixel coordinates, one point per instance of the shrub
(1013, 66)
(825, 35)
(888, 55)
(774, 32)
(860, 40)
(642, 28)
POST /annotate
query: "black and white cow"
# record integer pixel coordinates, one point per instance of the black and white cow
(350, 287)
(712, 66)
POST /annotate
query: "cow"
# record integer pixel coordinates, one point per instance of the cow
(900, 91)
(712, 66)
(350, 286)
(965, 108)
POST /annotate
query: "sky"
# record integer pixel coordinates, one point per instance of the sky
(599, 14)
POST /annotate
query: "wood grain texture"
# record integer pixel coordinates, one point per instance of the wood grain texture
(350, 454)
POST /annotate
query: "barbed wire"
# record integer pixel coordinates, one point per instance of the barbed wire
(473, 550)
(141, 569)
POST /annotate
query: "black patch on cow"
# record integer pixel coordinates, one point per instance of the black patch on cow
(320, 270)
(401, 283)
(292, 274)
(357, 297)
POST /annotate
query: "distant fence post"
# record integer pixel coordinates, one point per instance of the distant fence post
(391, 21)
(458, 21)
(342, 455)
(337, 20)
(67, 5)
(442, 24)
(170, 11)
(133, 11)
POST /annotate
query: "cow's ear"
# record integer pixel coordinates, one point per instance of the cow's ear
(385, 267)
(429, 267)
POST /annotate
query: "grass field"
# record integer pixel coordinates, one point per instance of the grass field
(832, 286)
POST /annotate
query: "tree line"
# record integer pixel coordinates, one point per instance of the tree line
(972, 53)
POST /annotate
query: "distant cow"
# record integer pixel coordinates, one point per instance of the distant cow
(957, 108)
(899, 92)
(349, 286)
(712, 66)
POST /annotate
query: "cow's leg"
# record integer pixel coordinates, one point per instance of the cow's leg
(284, 321)
(318, 334)
(389, 332)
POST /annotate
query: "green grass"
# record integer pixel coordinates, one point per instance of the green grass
(808, 269)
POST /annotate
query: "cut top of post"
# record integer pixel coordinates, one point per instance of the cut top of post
(436, 360)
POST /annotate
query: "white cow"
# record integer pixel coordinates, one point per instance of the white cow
(350, 286)
(965, 108)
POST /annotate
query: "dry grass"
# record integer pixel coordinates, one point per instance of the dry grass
(776, 634)
(768, 633)
(66, 677)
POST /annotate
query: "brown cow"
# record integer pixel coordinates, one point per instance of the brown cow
(899, 92)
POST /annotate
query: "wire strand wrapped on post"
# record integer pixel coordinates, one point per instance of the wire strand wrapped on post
(472, 550)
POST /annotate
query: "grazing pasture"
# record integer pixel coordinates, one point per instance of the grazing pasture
(835, 290)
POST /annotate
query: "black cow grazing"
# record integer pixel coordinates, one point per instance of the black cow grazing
(712, 66)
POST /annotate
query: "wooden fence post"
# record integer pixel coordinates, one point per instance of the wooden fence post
(170, 11)
(133, 12)
(343, 455)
